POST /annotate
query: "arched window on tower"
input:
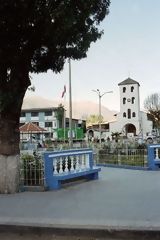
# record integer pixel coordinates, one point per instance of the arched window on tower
(129, 113)
(124, 114)
(132, 88)
(133, 100)
(124, 100)
(133, 114)
(124, 89)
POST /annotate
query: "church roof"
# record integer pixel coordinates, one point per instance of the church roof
(128, 81)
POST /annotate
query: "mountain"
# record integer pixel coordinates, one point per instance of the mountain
(80, 109)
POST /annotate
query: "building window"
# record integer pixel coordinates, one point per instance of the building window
(48, 124)
(124, 100)
(132, 88)
(133, 100)
(133, 114)
(129, 113)
(48, 113)
(124, 114)
(34, 114)
(23, 114)
(124, 89)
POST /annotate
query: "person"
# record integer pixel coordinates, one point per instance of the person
(39, 145)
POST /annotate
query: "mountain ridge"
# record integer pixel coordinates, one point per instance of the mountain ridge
(80, 109)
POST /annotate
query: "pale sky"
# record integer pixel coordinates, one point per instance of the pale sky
(129, 47)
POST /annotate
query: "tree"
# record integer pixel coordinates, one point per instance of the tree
(152, 106)
(60, 115)
(94, 119)
(35, 36)
(116, 136)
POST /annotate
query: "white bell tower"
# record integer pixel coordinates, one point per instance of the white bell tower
(130, 104)
(130, 120)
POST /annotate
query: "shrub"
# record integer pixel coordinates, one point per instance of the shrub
(31, 169)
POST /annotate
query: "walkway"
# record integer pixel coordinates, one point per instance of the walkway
(120, 199)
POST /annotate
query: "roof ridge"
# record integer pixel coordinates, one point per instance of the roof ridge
(128, 81)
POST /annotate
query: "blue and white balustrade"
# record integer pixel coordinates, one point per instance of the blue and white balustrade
(68, 164)
(154, 156)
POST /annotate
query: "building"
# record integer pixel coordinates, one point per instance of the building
(131, 121)
(51, 119)
(45, 118)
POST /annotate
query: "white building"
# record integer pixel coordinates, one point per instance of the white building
(130, 121)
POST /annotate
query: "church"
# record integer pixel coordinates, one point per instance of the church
(130, 121)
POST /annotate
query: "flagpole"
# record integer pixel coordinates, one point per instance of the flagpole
(64, 119)
(70, 107)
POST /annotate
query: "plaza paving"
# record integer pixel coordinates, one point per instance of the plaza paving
(120, 199)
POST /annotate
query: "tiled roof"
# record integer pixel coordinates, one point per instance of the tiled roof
(31, 127)
(128, 81)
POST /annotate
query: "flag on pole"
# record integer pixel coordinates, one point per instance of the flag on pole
(64, 91)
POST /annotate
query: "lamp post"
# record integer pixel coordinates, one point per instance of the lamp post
(100, 97)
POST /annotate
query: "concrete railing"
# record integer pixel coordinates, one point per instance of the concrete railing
(154, 156)
(67, 161)
(68, 164)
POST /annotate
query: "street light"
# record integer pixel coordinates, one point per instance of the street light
(100, 97)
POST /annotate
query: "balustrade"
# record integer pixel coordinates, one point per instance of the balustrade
(70, 163)
(157, 154)
(154, 156)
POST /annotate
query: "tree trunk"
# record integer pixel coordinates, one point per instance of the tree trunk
(9, 173)
(9, 155)
(11, 99)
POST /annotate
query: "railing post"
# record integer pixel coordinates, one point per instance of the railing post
(48, 170)
(152, 158)
(90, 160)
(119, 157)
(55, 166)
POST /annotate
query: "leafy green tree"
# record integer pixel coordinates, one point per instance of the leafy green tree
(60, 115)
(152, 106)
(35, 36)
(94, 119)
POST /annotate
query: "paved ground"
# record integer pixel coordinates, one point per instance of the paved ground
(120, 199)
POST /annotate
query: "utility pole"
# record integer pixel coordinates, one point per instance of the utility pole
(100, 115)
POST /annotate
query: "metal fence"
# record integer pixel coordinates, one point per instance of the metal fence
(31, 170)
(32, 164)
(122, 157)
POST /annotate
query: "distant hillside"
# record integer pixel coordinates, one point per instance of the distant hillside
(81, 109)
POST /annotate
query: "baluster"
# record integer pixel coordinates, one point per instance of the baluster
(77, 163)
(61, 165)
(72, 163)
(157, 157)
(87, 161)
(80, 162)
(55, 165)
(66, 165)
(83, 162)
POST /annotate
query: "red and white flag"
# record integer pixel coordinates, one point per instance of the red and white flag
(64, 91)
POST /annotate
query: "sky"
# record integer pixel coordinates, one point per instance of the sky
(129, 47)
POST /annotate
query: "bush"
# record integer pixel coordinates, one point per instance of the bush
(31, 169)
